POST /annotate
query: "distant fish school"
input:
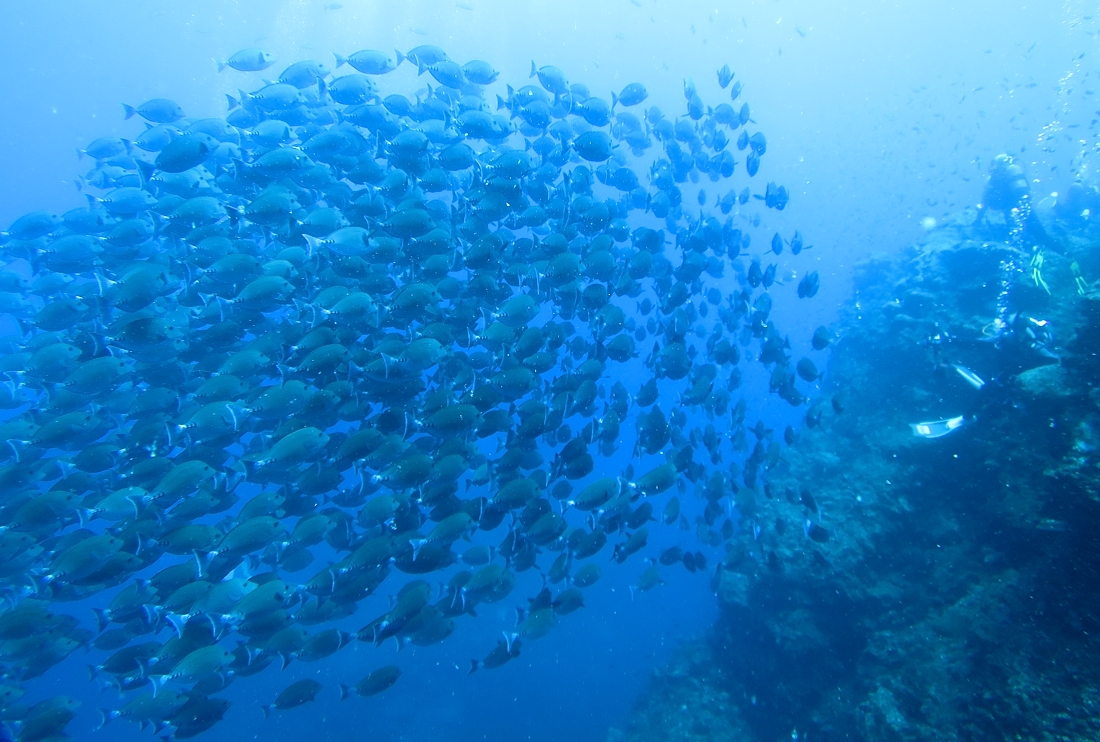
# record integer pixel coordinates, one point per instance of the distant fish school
(387, 335)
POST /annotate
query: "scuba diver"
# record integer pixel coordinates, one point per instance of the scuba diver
(1022, 342)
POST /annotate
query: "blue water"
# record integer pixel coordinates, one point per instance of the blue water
(878, 116)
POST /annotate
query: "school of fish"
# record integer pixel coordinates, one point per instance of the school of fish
(337, 344)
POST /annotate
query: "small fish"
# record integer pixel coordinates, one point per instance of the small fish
(631, 95)
(294, 695)
(809, 285)
(376, 682)
(506, 650)
(807, 500)
(156, 110)
(247, 60)
(650, 579)
(807, 370)
(725, 76)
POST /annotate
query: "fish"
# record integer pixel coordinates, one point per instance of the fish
(807, 500)
(156, 110)
(103, 148)
(631, 95)
(425, 55)
(809, 285)
(371, 61)
(586, 576)
(340, 343)
(185, 152)
(650, 579)
(506, 650)
(816, 532)
(374, 683)
(551, 78)
(304, 73)
(247, 60)
(594, 146)
(671, 555)
(777, 197)
(725, 76)
(296, 694)
(807, 370)
(480, 72)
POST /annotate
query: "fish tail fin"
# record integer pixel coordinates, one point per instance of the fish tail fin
(400, 57)
(101, 619)
(233, 102)
(340, 61)
(473, 667)
(313, 243)
(145, 171)
(157, 681)
(286, 657)
(420, 67)
(250, 466)
(266, 708)
(40, 583)
(345, 691)
(152, 613)
(105, 716)
(178, 621)
(223, 303)
(534, 70)
(200, 563)
(614, 101)
(84, 515)
(129, 111)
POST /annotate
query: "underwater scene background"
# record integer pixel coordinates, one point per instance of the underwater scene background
(626, 370)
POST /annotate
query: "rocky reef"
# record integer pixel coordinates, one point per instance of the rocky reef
(888, 586)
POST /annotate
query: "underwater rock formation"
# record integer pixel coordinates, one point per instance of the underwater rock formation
(886, 586)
